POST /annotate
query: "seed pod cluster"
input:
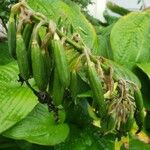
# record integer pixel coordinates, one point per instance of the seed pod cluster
(56, 64)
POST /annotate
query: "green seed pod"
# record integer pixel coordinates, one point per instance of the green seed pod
(12, 35)
(138, 99)
(22, 58)
(61, 62)
(58, 89)
(27, 36)
(27, 33)
(40, 65)
(30, 44)
(96, 88)
(74, 84)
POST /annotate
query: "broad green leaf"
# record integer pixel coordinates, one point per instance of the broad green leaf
(88, 138)
(16, 101)
(15, 104)
(9, 73)
(145, 67)
(39, 127)
(72, 15)
(8, 67)
(130, 39)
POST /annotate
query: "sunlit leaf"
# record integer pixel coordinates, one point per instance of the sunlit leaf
(4, 55)
(39, 127)
(130, 39)
(15, 104)
(16, 101)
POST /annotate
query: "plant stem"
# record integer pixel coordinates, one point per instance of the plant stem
(71, 42)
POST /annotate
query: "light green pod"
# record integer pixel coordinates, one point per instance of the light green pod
(61, 62)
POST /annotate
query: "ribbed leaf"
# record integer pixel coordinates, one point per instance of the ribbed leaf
(39, 127)
(16, 101)
(130, 39)
(9, 73)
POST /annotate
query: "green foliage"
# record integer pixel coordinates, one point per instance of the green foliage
(87, 138)
(13, 97)
(130, 39)
(4, 55)
(124, 43)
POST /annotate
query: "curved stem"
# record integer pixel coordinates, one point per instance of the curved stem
(71, 42)
(36, 29)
